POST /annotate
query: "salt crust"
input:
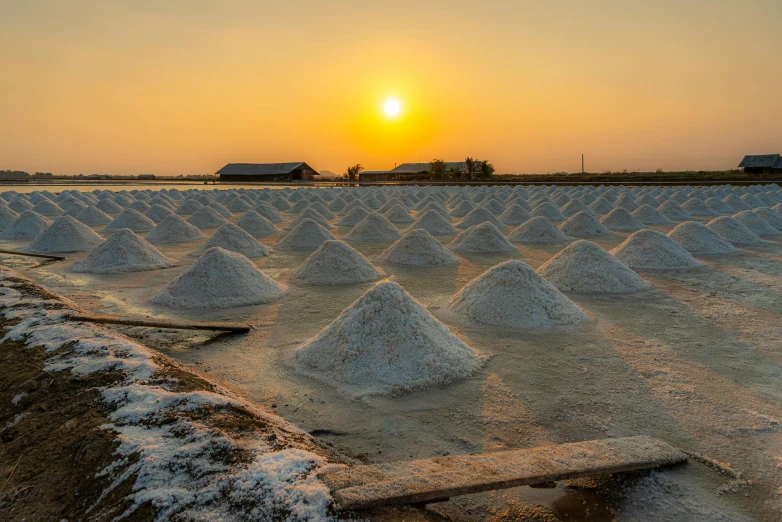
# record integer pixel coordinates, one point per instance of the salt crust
(65, 234)
(484, 238)
(336, 263)
(386, 343)
(174, 230)
(419, 249)
(584, 267)
(698, 239)
(652, 250)
(220, 279)
(513, 295)
(234, 239)
(172, 465)
(123, 252)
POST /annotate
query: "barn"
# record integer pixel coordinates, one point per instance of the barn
(253, 172)
(762, 164)
(407, 171)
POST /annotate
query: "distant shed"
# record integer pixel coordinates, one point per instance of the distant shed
(407, 171)
(245, 172)
(762, 164)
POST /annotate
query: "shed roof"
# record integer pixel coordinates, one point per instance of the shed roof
(415, 168)
(260, 169)
(761, 160)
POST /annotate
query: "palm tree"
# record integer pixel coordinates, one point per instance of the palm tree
(470, 166)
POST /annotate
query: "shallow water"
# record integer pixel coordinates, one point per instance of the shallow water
(695, 361)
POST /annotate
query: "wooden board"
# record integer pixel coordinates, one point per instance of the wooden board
(439, 478)
(28, 254)
(158, 323)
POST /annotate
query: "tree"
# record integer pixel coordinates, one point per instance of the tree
(485, 170)
(470, 166)
(352, 172)
(455, 172)
(437, 169)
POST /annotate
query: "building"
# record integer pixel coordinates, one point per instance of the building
(145, 176)
(248, 172)
(407, 171)
(762, 164)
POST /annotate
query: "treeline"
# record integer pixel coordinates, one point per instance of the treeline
(16, 174)
(472, 169)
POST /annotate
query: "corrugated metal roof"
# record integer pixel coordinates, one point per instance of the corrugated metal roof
(260, 169)
(778, 164)
(415, 168)
(760, 161)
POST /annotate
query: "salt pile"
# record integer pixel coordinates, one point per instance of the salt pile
(207, 217)
(48, 208)
(621, 219)
(734, 231)
(93, 217)
(234, 239)
(174, 230)
(434, 223)
(386, 343)
(586, 268)
(309, 213)
(583, 224)
(7, 217)
(321, 209)
(772, 217)
(673, 211)
(256, 225)
(65, 235)
(735, 202)
(652, 250)
(548, 211)
(141, 206)
(755, 223)
(462, 209)
(220, 279)
(398, 214)
(648, 215)
(269, 212)
(123, 252)
(513, 295)
(20, 204)
(27, 226)
(698, 239)
(573, 207)
(697, 207)
(336, 263)
(537, 230)
(220, 209)
(418, 248)
(352, 217)
(374, 227)
(109, 207)
(514, 215)
(601, 206)
(308, 235)
(132, 219)
(189, 207)
(719, 206)
(476, 217)
(482, 239)
(158, 212)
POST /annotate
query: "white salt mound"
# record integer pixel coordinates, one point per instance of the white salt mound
(583, 224)
(352, 217)
(755, 223)
(93, 217)
(621, 219)
(234, 239)
(158, 212)
(537, 230)
(513, 295)
(418, 248)
(398, 214)
(698, 239)
(207, 217)
(174, 230)
(652, 250)
(309, 213)
(7, 217)
(648, 215)
(132, 219)
(476, 217)
(123, 252)
(772, 217)
(220, 279)
(27, 226)
(697, 207)
(485, 238)
(374, 227)
(65, 235)
(548, 211)
(336, 263)
(256, 225)
(386, 343)
(734, 231)
(673, 211)
(514, 215)
(308, 235)
(586, 268)
(434, 223)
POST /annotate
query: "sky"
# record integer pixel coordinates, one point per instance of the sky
(186, 86)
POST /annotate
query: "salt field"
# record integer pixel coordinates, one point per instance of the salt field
(403, 322)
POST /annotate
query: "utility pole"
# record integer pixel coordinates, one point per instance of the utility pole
(582, 164)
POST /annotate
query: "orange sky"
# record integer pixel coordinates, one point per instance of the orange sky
(180, 87)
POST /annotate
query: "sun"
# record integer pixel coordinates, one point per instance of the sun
(392, 107)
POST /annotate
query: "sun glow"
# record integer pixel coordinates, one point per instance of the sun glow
(392, 107)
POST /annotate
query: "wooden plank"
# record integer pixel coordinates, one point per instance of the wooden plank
(157, 323)
(28, 254)
(439, 478)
